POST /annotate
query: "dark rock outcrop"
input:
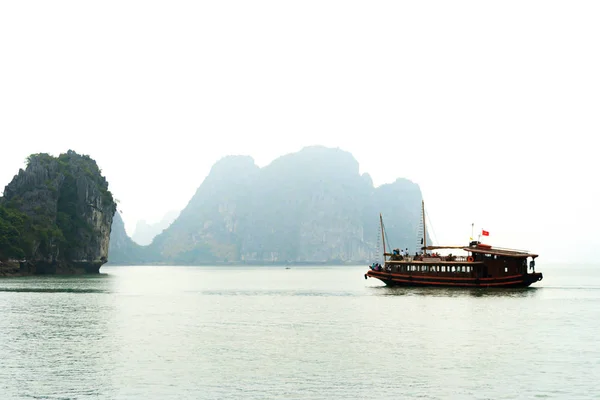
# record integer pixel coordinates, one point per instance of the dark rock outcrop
(62, 212)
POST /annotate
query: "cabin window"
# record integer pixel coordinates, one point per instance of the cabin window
(443, 268)
(505, 269)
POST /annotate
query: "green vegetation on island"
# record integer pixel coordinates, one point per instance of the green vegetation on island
(56, 215)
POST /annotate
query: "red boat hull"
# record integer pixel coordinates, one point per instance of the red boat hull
(423, 280)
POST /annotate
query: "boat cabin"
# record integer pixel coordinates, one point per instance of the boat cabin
(482, 266)
(482, 261)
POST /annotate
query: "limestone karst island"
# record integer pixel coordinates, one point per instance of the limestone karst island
(310, 207)
(55, 217)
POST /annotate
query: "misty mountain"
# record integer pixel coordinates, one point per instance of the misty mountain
(308, 206)
(145, 232)
(122, 249)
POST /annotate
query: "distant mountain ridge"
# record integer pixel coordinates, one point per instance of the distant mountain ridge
(312, 206)
(144, 232)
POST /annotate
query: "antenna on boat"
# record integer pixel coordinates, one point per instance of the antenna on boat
(424, 227)
(382, 236)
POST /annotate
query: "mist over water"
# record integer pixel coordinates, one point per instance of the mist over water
(303, 332)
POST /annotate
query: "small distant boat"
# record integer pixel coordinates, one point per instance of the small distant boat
(483, 266)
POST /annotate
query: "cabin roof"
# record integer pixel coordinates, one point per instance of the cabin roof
(500, 252)
(488, 250)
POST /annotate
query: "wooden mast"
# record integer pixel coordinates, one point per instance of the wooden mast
(382, 236)
(424, 227)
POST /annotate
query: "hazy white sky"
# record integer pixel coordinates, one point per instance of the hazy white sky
(493, 108)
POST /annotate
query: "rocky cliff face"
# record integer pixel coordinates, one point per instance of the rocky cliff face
(65, 211)
(210, 228)
(309, 206)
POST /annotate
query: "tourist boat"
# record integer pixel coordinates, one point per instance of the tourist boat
(482, 266)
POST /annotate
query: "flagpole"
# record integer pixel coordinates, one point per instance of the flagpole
(424, 228)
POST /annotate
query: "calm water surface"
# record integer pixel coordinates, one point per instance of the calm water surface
(309, 333)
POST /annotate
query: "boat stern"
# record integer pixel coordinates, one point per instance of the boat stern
(534, 277)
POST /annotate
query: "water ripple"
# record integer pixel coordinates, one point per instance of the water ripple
(319, 333)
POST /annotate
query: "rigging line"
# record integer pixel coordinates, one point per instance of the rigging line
(387, 239)
(378, 245)
(431, 224)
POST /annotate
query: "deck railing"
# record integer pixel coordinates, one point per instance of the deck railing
(433, 258)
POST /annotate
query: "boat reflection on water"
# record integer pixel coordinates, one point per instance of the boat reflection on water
(454, 292)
